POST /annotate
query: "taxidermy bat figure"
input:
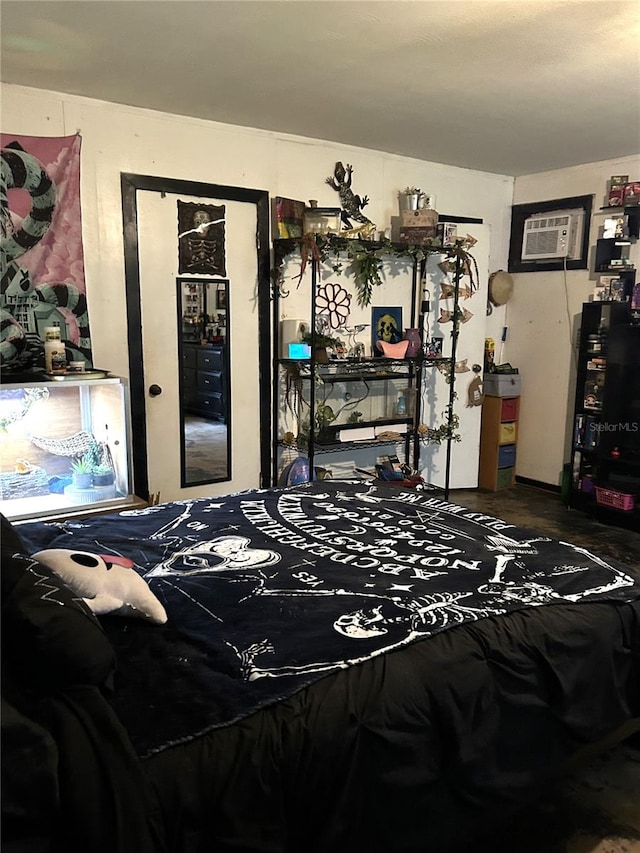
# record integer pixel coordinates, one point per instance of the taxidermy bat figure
(352, 204)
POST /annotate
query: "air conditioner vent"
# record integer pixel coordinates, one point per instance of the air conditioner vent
(549, 235)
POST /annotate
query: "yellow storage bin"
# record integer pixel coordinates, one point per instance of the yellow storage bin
(507, 433)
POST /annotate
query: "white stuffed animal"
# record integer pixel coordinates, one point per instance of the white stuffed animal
(107, 583)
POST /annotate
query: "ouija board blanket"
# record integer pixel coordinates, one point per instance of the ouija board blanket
(354, 667)
(267, 591)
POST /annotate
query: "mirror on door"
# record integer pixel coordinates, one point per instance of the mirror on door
(203, 336)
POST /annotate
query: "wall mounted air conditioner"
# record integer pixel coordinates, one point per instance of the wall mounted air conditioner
(551, 235)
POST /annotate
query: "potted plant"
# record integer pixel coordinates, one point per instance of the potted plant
(322, 343)
(81, 473)
(410, 198)
(103, 475)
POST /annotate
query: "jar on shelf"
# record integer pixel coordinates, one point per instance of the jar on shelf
(55, 357)
(401, 405)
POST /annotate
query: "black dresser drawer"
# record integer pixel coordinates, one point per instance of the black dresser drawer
(210, 383)
(211, 405)
(211, 359)
(190, 357)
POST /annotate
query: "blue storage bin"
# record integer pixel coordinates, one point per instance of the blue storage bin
(507, 456)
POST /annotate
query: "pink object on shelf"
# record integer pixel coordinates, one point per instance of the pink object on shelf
(393, 350)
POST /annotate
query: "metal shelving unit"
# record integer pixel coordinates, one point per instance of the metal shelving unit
(368, 370)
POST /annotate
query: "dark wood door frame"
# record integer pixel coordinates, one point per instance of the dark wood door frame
(130, 184)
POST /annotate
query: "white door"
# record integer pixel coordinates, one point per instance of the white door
(464, 454)
(158, 261)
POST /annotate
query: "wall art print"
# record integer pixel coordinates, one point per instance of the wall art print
(201, 238)
(386, 325)
(42, 273)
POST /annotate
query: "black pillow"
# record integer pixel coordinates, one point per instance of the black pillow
(9, 538)
(50, 637)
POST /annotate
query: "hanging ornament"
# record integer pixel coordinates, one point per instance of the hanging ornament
(466, 242)
(448, 291)
(447, 266)
(445, 368)
(447, 316)
(460, 367)
(475, 394)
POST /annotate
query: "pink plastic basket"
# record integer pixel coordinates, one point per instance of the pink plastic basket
(618, 500)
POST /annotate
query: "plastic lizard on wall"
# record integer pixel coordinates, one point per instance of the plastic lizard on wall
(352, 204)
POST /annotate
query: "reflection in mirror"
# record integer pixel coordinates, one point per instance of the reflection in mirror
(203, 335)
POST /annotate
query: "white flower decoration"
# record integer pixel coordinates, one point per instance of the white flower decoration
(333, 299)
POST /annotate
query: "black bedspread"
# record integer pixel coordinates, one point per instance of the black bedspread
(269, 591)
(417, 751)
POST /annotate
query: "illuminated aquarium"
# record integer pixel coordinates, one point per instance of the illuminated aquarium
(64, 447)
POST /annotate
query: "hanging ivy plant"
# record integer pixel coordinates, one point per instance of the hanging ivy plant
(365, 258)
(446, 431)
(293, 387)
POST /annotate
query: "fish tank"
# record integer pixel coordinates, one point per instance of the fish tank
(353, 400)
(64, 447)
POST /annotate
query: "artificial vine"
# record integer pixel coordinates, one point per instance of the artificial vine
(445, 432)
(363, 257)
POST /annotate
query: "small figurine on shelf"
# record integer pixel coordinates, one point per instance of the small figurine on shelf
(593, 392)
(356, 347)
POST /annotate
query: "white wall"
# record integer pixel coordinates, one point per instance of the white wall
(117, 139)
(542, 318)
(125, 139)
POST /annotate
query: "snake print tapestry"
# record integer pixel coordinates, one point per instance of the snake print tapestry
(43, 282)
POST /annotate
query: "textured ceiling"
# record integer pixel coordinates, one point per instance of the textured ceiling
(507, 87)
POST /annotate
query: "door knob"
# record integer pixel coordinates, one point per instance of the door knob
(155, 390)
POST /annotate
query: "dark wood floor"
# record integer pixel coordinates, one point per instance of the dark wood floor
(595, 807)
(543, 511)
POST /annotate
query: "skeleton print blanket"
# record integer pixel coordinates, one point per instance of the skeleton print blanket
(269, 590)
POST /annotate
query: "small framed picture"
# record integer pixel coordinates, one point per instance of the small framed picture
(221, 298)
(288, 216)
(434, 348)
(632, 193)
(386, 325)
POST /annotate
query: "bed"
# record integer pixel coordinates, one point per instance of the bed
(343, 666)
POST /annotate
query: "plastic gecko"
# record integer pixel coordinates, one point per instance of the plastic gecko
(352, 204)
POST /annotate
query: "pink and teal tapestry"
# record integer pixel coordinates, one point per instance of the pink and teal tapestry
(42, 275)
